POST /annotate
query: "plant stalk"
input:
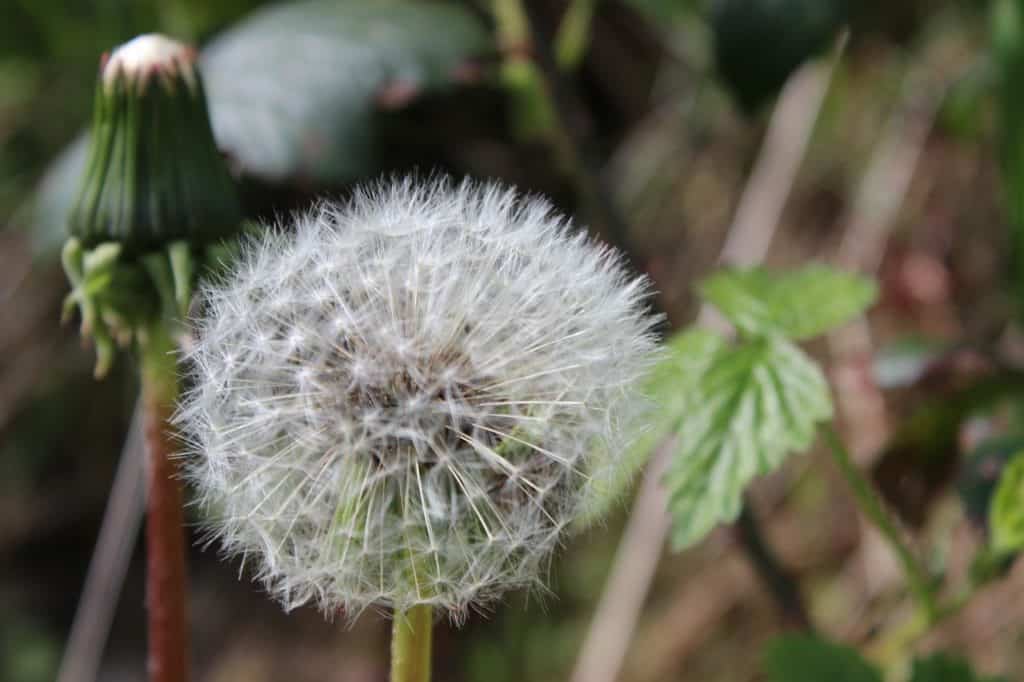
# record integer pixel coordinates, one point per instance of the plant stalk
(873, 508)
(165, 535)
(411, 638)
(574, 34)
(782, 585)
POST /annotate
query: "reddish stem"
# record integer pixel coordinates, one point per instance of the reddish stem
(165, 536)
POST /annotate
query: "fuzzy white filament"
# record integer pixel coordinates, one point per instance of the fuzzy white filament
(407, 399)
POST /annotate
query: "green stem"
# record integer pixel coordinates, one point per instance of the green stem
(872, 506)
(411, 635)
(895, 646)
(574, 34)
(532, 115)
(165, 528)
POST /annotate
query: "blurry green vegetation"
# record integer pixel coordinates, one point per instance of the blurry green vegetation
(798, 658)
(28, 652)
(796, 30)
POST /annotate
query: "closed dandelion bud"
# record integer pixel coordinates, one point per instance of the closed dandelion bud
(407, 400)
(154, 174)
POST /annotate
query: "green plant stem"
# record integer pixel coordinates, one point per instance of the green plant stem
(411, 638)
(574, 34)
(532, 115)
(888, 650)
(165, 528)
(873, 508)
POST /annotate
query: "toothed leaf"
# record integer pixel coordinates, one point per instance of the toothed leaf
(749, 409)
(798, 304)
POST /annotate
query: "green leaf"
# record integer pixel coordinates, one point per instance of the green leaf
(670, 389)
(752, 406)
(672, 386)
(1006, 513)
(688, 356)
(803, 658)
(945, 668)
(293, 88)
(293, 92)
(798, 304)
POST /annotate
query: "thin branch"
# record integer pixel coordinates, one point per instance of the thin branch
(109, 564)
(636, 559)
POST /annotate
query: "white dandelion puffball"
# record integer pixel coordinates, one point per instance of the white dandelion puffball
(407, 399)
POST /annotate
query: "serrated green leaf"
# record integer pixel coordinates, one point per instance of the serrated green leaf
(688, 356)
(753, 405)
(292, 91)
(945, 668)
(804, 658)
(798, 304)
(1006, 512)
(672, 386)
(670, 389)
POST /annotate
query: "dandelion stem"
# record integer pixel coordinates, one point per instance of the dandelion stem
(411, 635)
(873, 508)
(165, 538)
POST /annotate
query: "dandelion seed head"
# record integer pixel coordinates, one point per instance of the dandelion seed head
(407, 399)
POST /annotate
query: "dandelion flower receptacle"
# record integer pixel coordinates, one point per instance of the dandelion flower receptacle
(406, 400)
(154, 174)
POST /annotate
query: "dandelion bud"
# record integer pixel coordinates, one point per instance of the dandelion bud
(406, 400)
(154, 174)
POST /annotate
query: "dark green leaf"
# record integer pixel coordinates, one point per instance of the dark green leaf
(292, 88)
(747, 411)
(945, 668)
(803, 658)
(798, 304)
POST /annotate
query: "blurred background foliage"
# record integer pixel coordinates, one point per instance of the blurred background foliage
(667, 111)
